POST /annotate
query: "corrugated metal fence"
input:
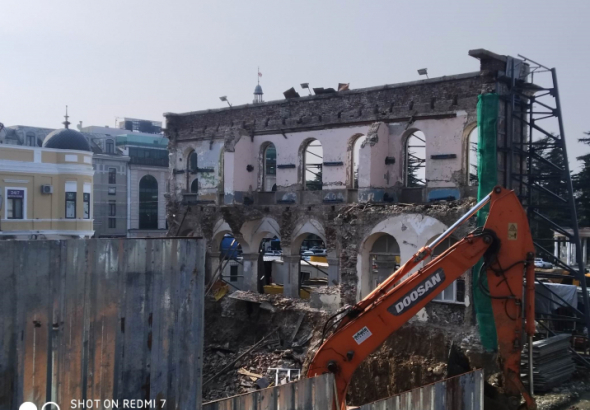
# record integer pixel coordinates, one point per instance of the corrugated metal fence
(313, 393)
(463, 392)
(101, 319)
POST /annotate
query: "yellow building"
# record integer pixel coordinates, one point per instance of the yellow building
(46, 192)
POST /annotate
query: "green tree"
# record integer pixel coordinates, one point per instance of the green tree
(581, 183)
(554, 180)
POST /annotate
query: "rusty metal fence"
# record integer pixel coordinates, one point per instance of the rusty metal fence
(313, 393)
(105, 320)
(464, 392)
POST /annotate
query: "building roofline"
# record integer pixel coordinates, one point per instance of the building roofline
(330, 95)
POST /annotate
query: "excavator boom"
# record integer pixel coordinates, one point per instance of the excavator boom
(506, 245)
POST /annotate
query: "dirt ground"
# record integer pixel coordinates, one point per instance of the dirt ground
(572, 395)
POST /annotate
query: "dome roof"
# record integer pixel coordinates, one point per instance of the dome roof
(66, 138)
(258, 90)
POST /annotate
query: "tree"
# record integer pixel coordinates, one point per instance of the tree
(550, 178)
(415, 163)
(581, 183)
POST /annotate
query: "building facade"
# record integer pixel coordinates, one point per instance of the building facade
(147, 183)
(110, 186)
(376, 173)
(47, 192)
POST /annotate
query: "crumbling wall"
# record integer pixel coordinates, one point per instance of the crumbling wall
(344, 227)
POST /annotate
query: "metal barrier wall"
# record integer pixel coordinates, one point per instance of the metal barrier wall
(463, 392)
(101, 319)
(313, 393)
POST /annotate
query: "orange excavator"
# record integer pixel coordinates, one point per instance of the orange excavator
(506, 246)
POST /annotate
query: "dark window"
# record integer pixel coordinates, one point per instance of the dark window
(110, 145)
(193, 162)
(112, 190)
(233, 273)
(112, 223)
(195, 186)
(148, 156)
(112, 208)
(86, 206)
(112, 175)
(70, 205)
(31, 140)
(148, 203)
(270, 160)
(14, 203)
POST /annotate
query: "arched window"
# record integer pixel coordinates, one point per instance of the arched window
(356, 148)
(195, 186)
(415, 160)
(110, 146)
(192, 164)
(472, 158)
(384, 259)
(148, 203)
(313, 159)
(455, 293)
(269, 175)
(31, 139)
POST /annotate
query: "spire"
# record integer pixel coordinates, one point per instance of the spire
(66, 123)
(258, 90)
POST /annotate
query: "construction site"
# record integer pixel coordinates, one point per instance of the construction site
(392, 247)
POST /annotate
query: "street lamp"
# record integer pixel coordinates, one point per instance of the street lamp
(224, 98)
(306, 85)
(423, 71)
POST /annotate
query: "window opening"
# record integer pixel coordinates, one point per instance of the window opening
(416, 160)
(313, 160)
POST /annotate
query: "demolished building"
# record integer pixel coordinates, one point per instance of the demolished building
(392, 164)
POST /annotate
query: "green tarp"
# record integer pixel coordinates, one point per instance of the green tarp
(487, 125)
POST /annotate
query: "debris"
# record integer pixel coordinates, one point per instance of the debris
(297, 326)
(245, 372)
(238, 358)
(262, 383)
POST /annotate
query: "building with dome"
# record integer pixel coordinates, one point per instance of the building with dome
(46, 191)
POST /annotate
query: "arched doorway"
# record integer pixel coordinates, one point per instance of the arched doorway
(148, 203)
(415, 160)
(313, 161)
(384, 259)
(356, 148)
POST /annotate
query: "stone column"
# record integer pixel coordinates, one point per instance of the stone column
(250, 272)
(212, 265)
(292, 276)
(333, 271)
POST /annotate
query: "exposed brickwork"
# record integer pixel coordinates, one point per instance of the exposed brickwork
(388, 103)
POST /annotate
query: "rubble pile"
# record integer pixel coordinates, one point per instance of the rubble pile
(249, 335)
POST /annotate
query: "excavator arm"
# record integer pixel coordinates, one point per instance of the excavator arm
(505, 244)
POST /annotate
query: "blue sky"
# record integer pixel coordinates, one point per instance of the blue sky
(143, 58)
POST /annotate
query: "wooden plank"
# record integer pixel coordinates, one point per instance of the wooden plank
(8, 324)
(123, 247)
(36, 322)
(134, 372)
(174, 329)
(159, 345)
